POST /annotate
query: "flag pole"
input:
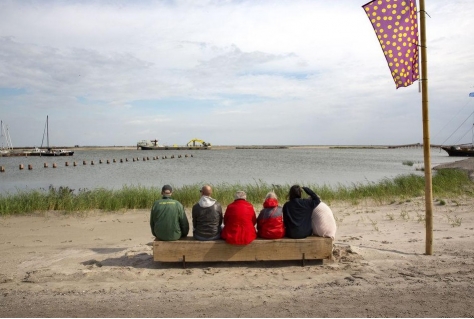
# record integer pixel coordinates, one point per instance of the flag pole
(426, 134)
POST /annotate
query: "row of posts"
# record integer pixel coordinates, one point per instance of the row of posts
(137, 159)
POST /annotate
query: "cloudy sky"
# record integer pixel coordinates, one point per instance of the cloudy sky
(230, 72)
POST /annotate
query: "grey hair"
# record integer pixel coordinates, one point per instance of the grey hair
(271, 195)
(240, 195)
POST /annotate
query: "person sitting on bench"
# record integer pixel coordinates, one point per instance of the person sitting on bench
(270, 220)
(239, 221)
(168, 220)
(207, 216)
(297, 212)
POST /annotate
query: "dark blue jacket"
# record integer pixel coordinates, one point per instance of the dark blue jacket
(297, 215)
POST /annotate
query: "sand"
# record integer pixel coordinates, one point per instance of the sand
(100, 264)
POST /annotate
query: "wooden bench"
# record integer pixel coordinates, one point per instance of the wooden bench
(191, 250)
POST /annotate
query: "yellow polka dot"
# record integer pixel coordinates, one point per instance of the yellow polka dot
(394, 11)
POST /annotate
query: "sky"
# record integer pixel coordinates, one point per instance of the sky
(229, 72)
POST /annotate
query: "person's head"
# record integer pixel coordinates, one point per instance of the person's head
(295, 192)
(240, 195)
(271, 195)
(206, 190)
(166, 190)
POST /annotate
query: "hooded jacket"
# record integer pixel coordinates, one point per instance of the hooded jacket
(207, 217)
(297, 215)
(239, 223)
(270, 220)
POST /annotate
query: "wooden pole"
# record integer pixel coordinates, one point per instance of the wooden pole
(426, 133)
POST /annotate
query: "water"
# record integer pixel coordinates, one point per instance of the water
(274, 166)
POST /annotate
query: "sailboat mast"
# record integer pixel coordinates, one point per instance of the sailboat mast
(47, 131)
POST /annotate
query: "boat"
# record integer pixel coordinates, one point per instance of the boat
(49, 150)
(5, 136)
(459, 150)
(194, 144)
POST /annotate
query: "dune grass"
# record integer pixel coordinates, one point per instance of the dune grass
(446, 183)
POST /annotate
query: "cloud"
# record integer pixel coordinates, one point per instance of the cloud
(229, 72)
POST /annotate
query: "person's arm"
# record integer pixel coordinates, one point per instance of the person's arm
(219, 211)
(183, 222)
(312, 195)
(193, 215)
(152, 222)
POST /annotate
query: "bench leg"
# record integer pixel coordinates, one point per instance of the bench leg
(184, 262)
(302, 261)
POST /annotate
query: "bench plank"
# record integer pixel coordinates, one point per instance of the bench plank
(260, 249)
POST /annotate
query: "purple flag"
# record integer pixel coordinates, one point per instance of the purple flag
(396, 26)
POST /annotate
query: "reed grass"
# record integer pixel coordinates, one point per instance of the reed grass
(446, 183)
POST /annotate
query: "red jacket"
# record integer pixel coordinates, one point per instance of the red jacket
(239, 223)
(270, 220)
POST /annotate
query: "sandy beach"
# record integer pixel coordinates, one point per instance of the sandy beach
(99, 264)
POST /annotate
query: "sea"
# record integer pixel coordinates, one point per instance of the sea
(316, 166)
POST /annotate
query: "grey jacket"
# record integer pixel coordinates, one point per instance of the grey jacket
(207, 217)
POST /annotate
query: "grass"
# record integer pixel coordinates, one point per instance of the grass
(446, 183)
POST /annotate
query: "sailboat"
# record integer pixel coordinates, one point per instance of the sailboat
(462, 149)
(49, 151)
(5, 138)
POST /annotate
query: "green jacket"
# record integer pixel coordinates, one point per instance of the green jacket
(168, 220)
